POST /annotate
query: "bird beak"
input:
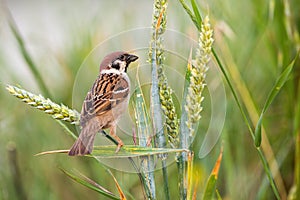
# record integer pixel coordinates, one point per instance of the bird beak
(131, 58)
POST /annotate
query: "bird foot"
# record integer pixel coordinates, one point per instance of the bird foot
(119, 147)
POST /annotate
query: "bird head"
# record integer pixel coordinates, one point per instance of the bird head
(117, 60)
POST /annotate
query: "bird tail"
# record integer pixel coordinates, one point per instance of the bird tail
(84, 144)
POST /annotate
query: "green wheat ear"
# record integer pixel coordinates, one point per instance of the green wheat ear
(60, 112)
(165, 91)
(198, 74)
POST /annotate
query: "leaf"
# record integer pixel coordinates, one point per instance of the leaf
(183, 126)
(210, 188)
(143, 121)
(196, 12)
(296, 123)
(131, 151)
(128, 151)
(122, 195)
(194, 197)
(184, 134)
(27, 57)
(90, 184)
(275, 90)
(190, 175)
(218, 195)
(190, 13)
(143, 124)
(51, 152)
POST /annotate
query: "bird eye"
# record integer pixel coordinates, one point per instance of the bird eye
(122, 57)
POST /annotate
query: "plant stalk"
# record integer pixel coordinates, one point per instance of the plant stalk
(27, 57)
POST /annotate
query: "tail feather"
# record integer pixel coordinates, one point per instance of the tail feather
(83, 145)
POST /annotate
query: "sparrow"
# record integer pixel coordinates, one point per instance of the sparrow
(106, 101)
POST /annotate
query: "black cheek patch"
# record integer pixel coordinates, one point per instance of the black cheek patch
(116, 66)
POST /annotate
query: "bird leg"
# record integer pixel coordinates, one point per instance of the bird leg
(112, 132)
(108, 136)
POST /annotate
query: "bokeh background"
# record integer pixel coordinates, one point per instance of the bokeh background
(254, 39)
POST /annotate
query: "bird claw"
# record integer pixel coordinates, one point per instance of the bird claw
(118, 147)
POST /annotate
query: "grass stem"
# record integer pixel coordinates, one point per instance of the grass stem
(27, 57)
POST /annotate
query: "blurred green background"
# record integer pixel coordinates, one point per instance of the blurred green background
(254, 39)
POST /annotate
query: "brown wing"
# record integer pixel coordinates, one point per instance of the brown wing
(108, 91)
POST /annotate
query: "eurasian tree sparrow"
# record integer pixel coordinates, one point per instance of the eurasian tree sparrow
(105, 102)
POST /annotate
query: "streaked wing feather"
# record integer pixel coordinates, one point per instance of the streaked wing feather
(108, 91)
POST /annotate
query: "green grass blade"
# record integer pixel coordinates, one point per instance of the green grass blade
(121, 193)
(275, 90)
(33, 68)
(155, 103)
(297, 143)
(297, 165)
(184, 131)
(127, 151)
(296, 123)
(196, 12)
(218, 195)
(144, 131)
(279, 83)
(191, 179)
(210, 188)
(190, 13)
(248, 123)
(184, 135)
(90, 184)
(234, 93)
(143, 123)
(269, 173)
(131, 151)
(257, 133)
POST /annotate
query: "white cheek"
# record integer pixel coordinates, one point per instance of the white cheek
(122, 66)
